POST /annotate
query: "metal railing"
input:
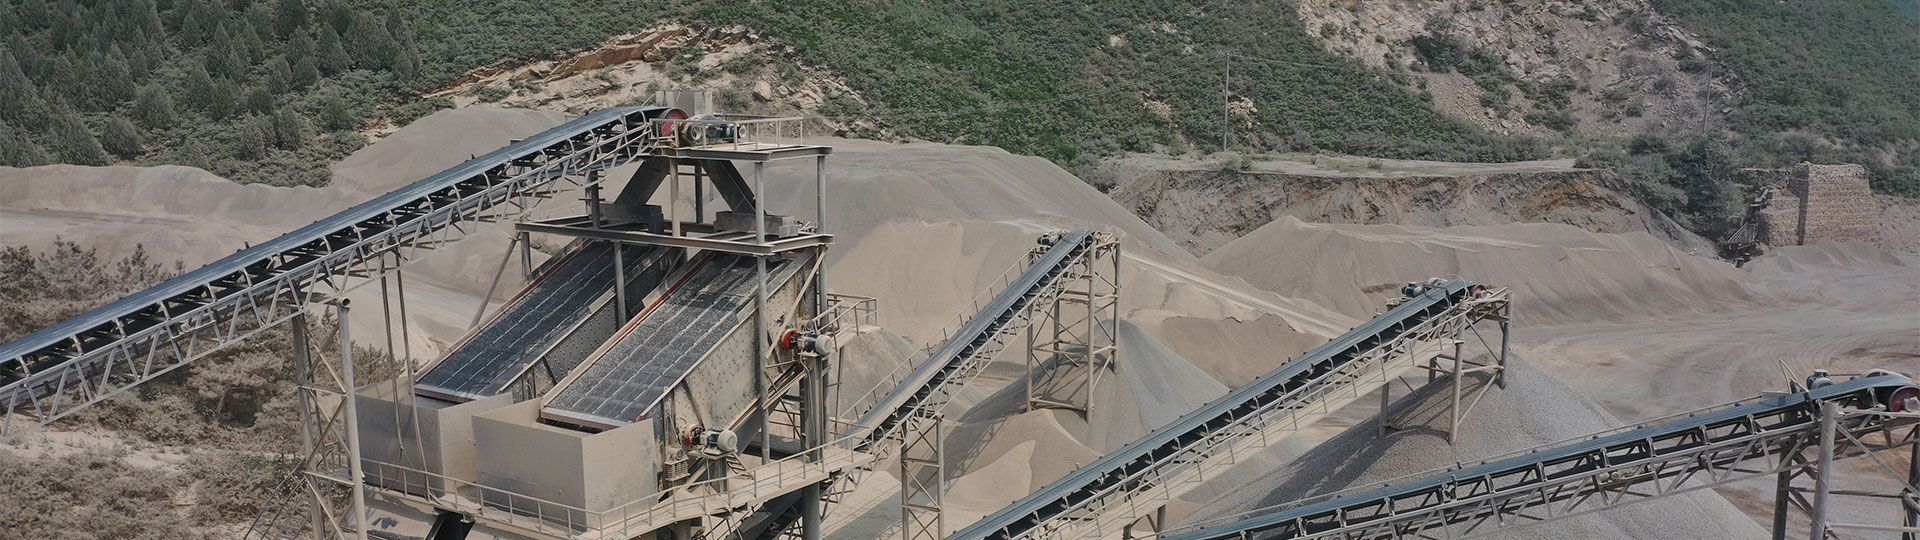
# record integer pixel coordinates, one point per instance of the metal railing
(849, 420)
(504, 507)
(1620, 466)
(735, 132)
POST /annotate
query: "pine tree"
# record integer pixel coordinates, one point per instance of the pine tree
(407, 68)
(120, 137)
(332, 57)
(334, 115)
(226, 95)
(200, 88)
(153, 107)
(289, 17)
(72, 143)
(20, 102)
(368, 43)
(258, 101)
(279, 75)
(289, 130)
(251, 141)
(112, 82)
(33, 13)
(305, 73)
(19, 150)
(250, 46)
(300, 56)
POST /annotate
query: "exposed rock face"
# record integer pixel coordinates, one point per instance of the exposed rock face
(1624, 58)
(1206, 208)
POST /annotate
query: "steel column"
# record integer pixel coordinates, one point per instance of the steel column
(351, 423)
(760, 326)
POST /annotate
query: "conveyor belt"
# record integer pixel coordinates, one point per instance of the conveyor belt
(665, 342)
(953, 355)
(138, 337)
(1144, 454)
(946, 367)
(1649, 462)
(549, 309)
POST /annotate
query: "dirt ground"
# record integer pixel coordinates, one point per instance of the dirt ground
(1632, 324)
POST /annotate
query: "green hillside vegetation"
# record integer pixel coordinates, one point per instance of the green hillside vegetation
(273, 90)
(1836, 81)
(254, 91)
(270, 90)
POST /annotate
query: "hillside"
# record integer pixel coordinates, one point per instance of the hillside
(272, 91)
(1676, 95)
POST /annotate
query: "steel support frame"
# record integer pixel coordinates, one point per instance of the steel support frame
(1022, 321)
(1126, 499)
(1627, 473)
(922, 476)
(231, 309)
(1081, 327)
(1816, 502)
(1456, 367)
(324, 495)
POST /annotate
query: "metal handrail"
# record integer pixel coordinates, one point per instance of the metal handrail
(643, 514)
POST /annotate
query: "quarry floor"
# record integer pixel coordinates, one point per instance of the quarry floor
(1614, 327)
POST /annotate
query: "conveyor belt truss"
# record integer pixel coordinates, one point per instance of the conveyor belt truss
(63, 368)
(926, 389)
(1700, 450)
(1103, 496)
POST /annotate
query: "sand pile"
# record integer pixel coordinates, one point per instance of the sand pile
(1559, 274)
(178, 213)
(871, 183)
(434, 143)
(1000, 451)
(1535, 409)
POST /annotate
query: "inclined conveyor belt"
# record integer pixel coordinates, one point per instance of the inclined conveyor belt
(665, 342)
(1489, 484)
(1146, 453)
(294, 261)
(546, 311)
(952, 356)
(877, 425)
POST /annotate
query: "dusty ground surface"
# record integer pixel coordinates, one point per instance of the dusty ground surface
(1638, 326)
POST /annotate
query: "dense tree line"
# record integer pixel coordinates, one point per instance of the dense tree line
(259, 91)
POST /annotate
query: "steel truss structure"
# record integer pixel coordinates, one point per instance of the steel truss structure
(1782, 435)
(1072, 362)
(1106, 496)
(61, 369)
(911, 411)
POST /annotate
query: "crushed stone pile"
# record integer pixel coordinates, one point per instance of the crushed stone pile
(1559, 274)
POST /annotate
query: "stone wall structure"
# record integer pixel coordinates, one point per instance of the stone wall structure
(1836, 204)
(1812, 204)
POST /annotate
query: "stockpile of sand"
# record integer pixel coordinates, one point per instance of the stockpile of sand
(870, 183)
(436, 142)
(1535, 409)
(1559, 274)
(1000, 451)
(177, 213)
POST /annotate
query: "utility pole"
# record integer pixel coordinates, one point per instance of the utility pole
(1226, 101)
